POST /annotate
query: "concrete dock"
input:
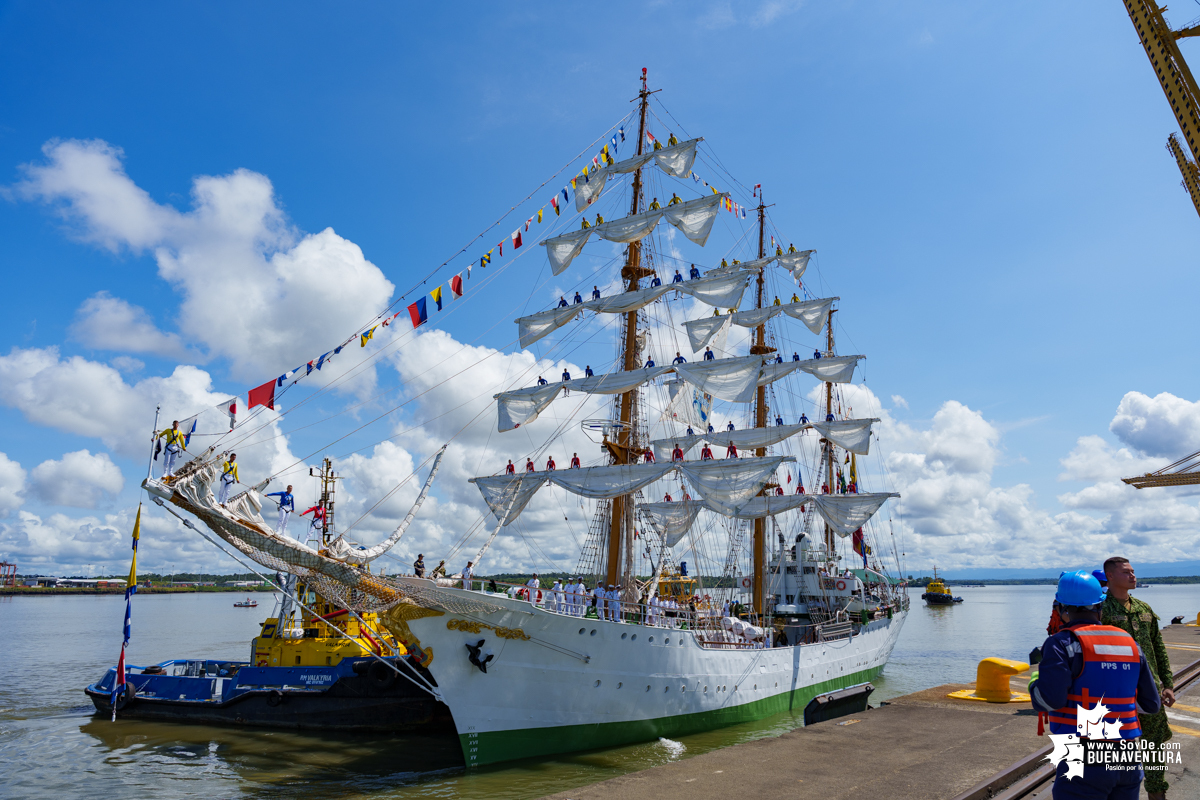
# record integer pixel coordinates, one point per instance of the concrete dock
(919, 746)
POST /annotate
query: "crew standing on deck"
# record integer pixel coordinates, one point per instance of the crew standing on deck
(419, 566)
(1138, 619)
(176, 444)
(229, 476)
(466, 574)
(1083, 665)
(287, 504)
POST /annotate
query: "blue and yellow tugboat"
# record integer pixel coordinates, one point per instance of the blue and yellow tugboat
(938, 594)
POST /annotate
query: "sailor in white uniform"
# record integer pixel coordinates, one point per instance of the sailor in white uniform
(533, 584)
(229, 476)
(467, 573)
(581, 597)
(557, 592)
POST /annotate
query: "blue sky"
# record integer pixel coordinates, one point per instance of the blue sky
(985, 184)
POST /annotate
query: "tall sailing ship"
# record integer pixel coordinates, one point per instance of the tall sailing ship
(649, 650)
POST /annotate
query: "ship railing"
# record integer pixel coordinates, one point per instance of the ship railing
(832, 631)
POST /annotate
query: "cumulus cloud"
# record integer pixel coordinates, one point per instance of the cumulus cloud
(245, 275)
(105, 322)
(899, 402)
(1163, 425)
(78, 479)
(12, 485)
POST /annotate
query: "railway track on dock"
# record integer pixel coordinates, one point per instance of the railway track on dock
(1033, 774)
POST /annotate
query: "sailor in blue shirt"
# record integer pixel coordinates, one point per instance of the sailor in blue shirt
(816, 353)
(829, 417)
(729, 427)
(655, 281)
(679, 359)
(795, 356)
(778, 420)
(710, 428)
(709, 355)
(578, 299)
(287, 504)
(694, 273)
(541, 381)
(649, 363)
(678, 278)
(587, 372)
(562, 302)
(778, 359)
(690, 432)
(566, 378)
(595, 292)
(803, 418)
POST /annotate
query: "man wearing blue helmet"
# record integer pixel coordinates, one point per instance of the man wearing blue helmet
(1084, 665)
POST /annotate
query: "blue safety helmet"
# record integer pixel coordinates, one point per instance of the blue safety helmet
(1079, 589)
(1099, 575)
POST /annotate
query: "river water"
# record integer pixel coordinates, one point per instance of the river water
(51, 744)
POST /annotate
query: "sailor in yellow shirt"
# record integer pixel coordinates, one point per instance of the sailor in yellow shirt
(778, 251)
(654, 205)
(675, 199)
(792, 248)
(724, 263)
(175, 445)
(584, 225)
(229, 476)
(776, 301)
(599, 220)
(672, 141)
(795, 298)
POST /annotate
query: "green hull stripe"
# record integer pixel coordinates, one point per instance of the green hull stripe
(496, 746)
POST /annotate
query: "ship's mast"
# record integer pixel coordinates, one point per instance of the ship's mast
(828, 444)
(760, 421)
(328, 485)
(623, 449)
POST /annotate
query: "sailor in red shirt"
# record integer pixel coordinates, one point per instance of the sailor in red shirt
(529, 467)
(649, 457)
(318, 517)
(706, 453)
(549, 463)
(575, 461)
(731, 452)
(667, 497)
(778, 490)
(677, 453)
(511, 469)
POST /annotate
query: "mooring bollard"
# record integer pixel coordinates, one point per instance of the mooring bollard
(991, 682)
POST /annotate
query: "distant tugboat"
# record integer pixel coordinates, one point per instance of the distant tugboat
(937, 594)
(247, 603)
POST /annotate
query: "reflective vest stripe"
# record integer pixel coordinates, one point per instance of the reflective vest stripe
(1107, 677)
(1113, 649)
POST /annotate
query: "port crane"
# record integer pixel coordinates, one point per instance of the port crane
(1161, 44)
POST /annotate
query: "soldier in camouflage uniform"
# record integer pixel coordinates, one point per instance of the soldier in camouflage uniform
(1139, 620)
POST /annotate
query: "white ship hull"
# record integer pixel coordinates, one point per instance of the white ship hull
(558, 683)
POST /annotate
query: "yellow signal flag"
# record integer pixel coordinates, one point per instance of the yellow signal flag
(540, 213)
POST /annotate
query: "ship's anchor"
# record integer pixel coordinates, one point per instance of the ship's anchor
(473, 656)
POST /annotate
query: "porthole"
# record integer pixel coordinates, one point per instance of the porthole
(597, 684)
(683, 688)
(633, 638)
(667, 640)
(651, 639)
(620, 684)
(581, 630)
(593, 633)
(647, 687)
(706, 690)
(681, 642)
(666, 688)
(776, 684)
(756, 686)
(623, 635)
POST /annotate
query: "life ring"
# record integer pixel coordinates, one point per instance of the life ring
(275, 698)
(841, 586)
(381, 675)
(746, 582)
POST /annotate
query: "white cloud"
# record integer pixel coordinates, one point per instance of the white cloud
(79, 479)
(105, 322)
(12, 485)
(1164, 425)
(899, 402)
(246, 276)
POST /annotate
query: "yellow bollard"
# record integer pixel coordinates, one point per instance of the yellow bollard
(991, 682)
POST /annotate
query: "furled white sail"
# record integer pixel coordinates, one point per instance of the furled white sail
(516, 408)
(589, 187)
(732, 379)
(745, 440)
(773, 371)
(610, 481)
(701, 331)
(561, 250)
(753, 317)
(672, 520)
(687, 405)
(770, 505)
(694, 218)
(852, 434)
(757, 264)
(628, 229)
(665, 448)
(835, 369)
(677, 159)
(507, 495)
(535, 326)
(796, 263)
(722, 291)
(728, 484)
(846, 513)
(811, 312)
(628, 301)
(615, 382)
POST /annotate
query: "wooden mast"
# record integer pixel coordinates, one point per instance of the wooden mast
(829, 444)
(622, 449)
(760, 421)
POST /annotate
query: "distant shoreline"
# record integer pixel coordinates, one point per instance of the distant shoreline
(37, 591)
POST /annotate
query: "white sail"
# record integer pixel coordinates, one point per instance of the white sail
(753, 317)
(588, 188)
(628, 229)
(604, 482)
(694, 218)
(628, 301)
(686, 405)
(516, 408)
(672, 520)
(732, 379)
(701, 331)
(773, 371)
(846, 513)
(616, 382)
(835, 369)
(757, 264)
(722, 291)
(729, 483)
(630, 164)
(851, 434)
(507, 495)
(561, 250)
(812, 313)
(745, 440)
(770, 505)
(543, 323)
(664, 448)
(796, 263)
(677, 159)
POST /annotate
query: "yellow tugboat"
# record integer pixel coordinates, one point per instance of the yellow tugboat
(938, 594)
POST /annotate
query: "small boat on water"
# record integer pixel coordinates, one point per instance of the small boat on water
(938, 594)
(247, 603)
